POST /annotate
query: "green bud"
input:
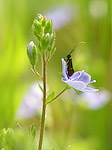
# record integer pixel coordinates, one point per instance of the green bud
(48, 27)
(45, 41)
(39, 17)
(52, 38)
(44, 21)
(37, 29)
(32, 53)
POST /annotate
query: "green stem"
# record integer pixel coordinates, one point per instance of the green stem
(44, 105)
(58, 95)
(37, 73)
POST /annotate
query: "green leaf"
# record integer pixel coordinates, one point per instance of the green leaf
(32, 131)
(50, 97)
(41, 88)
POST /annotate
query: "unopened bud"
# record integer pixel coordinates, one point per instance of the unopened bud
(39, 17)
(48, 27)
(44, 21)
(52, 38)
(45, 41)
(37, 28)
(32, 53)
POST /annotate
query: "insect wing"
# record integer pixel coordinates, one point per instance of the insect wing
(70, 66)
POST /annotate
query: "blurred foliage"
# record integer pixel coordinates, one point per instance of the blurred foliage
(17, 139)
(65, 124)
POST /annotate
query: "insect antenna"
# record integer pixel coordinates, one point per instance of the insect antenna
(76, 46)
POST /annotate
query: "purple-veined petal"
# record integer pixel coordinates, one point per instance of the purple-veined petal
(76, 84)
(84, 77)
(63, 79)
(64, 68)
(75, 75)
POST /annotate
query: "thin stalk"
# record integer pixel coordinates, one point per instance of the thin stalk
(44, 105)
(58, 95)
(37, 74)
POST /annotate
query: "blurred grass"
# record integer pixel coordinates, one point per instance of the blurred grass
(71, 124)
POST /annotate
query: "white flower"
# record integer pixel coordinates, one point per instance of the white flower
(32, 102)
(96, 100)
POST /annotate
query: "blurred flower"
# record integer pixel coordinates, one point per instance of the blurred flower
(92, 100)
(68, 147)
(96, 100)
(79, 80)
(98, 8)
(31, 103)
(61, 15)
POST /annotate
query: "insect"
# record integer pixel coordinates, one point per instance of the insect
(69, 61)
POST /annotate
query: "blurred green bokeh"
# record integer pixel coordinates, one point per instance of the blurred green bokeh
(66, 124)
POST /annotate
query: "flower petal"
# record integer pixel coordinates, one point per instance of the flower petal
(88, 89)
(75, 75)
(84, 77)
(76, 84)
(30, 47)
(64, 68)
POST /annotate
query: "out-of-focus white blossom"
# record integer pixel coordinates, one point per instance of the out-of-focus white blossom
(91, 100)
(61, 15)
(96, 100)
(32, 102)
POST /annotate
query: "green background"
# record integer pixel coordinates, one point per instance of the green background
(66, 124)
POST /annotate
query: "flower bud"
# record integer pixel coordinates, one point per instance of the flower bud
(45, 41)
(48, 27)
(39, 17)
(44, 21)
(52, 37)
(37, 28)
(32, 53)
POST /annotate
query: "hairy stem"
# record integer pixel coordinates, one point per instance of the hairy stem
(44, 105)
(57, 95)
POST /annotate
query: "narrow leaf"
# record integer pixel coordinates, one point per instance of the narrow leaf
(50, 97)
(40, 87)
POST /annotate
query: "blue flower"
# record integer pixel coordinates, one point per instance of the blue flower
(79, 80)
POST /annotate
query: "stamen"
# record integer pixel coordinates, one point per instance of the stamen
(93, 81)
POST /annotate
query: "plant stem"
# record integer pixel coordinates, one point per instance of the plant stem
(37, 74)
(58, 95)
(44, 105)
